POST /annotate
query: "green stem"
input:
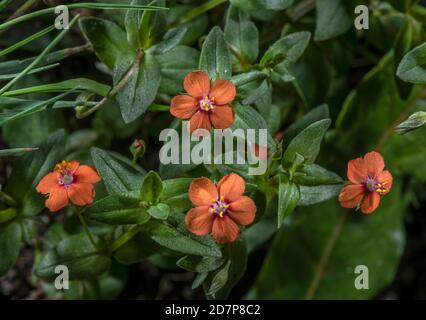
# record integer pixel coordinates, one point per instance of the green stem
(26, 41)
(81, 5)
(114, 91)
(125, 237)
(39, 58)
(86, 228)
(21, 11)
(199, 10)
(4, 4)
(325, 256)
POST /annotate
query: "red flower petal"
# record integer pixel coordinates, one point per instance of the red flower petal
(200, 120)
(222, 117)
(351, 195)
(223, 92)
(374, 163)
(357, 171)
(370, 203)
(225, 230)
(86, 174)
(183, 106)
(385, 178)
(231, 187)
(243, 210)
(57, 200)
(199, 220)
(202, 191)
(74, 165)
(48, 182)
(81, 194)
(197, 84)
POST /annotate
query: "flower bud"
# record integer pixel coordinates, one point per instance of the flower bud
(137, 148)
(415, 121)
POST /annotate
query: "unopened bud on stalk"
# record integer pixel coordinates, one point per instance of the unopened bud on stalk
(137, 148)
(415, 121)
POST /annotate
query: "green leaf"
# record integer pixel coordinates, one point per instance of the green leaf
(221, 282)
(80, 257)
(161, 211)
(26, 109)
(78, 84)
(30, 168)
(117, 173)
(248, 77)
(108, 39)
(287, 50)
(332, 19)
(133, 252)
(215, 58)
(132, 22)
(7, 214)
(175, 240)
(142, 80)
(152, 25)
(171, 39)
(118, 209)
(247, 117)
(253, 5)
(175, 65)
(298, 266)
(310, 195)
(199, 264)
(151, 188)
(315, 175)
(307, 143)
(319, 113)
(413, 66)
(15, 152)
(10, 244)
(175, 194)
(242, 35)
(288, 197)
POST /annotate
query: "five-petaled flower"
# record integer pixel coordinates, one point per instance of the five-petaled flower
(69, 181)
(368, 181)
(219, 209)
(206, 107)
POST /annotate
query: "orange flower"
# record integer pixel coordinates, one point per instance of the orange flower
(205, 107)
(219, 210)
(68, 182)
(368, 183)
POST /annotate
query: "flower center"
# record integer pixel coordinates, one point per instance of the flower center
(64, 169)
(66, 179)
(372, 185)
(219, 207)
(206, 104)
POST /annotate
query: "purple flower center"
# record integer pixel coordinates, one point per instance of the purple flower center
(219, 207)
(372, 185)
(207, 104)
(66, 179)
